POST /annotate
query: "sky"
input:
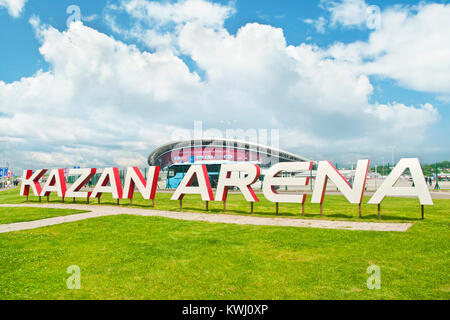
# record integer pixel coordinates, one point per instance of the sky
(103, 83)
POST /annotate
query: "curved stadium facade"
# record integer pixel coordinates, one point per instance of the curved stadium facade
(218, 151)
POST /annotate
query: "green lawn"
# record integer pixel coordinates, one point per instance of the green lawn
(11, 215)
(132, 257)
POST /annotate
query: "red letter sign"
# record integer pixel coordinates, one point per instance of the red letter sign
(30, 179)
(204, 185)
(326, 170)
(111, 176)
(230, 177)
(134, 178)
(85, 175)
(55, 183)
(271, 180)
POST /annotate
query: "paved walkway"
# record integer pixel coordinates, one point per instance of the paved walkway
(101, 211)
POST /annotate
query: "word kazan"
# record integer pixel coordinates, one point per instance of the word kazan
(109, 182)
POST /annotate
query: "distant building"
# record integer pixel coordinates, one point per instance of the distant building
(177, 157)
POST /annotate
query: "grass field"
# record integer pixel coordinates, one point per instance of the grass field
(11, 215)
(131, 257)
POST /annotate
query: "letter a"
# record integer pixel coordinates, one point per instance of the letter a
(419, 189)
(204, 185)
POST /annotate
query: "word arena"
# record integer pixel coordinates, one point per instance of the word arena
(109, 182)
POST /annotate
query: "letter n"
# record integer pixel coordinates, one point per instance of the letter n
(326, 170)
(134, 178)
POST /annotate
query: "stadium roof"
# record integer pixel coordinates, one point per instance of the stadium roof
(220, 143)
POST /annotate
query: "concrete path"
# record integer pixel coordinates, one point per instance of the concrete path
(100, 211)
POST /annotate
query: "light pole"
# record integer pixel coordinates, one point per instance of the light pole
(437, 187)
(376, 177)
(393, 155)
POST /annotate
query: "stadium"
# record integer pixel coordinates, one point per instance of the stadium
(176, 158)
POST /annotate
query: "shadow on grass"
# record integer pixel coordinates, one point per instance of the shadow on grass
(369, 217)
(390, 218)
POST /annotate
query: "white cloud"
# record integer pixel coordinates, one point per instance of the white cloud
(444, 98)
(409, 47)
(401, 117)
(104, 102)
(319, 24)
(348, 13)
(99, 92)
(14, 7)
(137, 161)
(157, 24)
(207, 13)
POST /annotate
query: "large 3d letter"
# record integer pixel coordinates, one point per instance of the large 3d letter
(326, 170)
(30, 179)
(228, 179)
(111, 176)
(85, 176)
(204, 186)
(134, 178)
(55, 183)
(419, 189)
(271, 180)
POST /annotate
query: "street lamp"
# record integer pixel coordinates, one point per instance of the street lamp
(437, 187)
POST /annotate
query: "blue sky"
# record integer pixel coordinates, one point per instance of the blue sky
(24, 59)
(331, 58)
